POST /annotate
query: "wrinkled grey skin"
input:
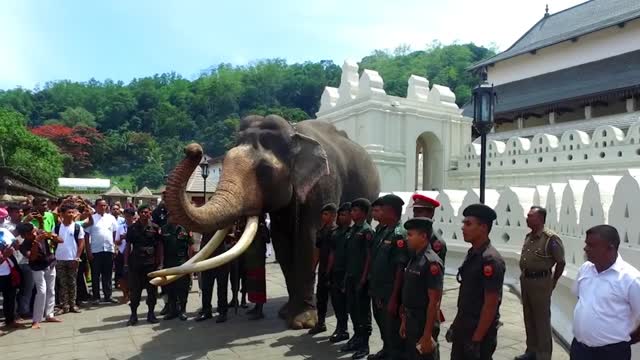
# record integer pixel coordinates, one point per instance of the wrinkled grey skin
(289, 172)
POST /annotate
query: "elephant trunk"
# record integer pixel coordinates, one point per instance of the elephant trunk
(236, 195)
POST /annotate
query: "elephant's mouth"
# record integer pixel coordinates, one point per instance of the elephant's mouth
(198, 262)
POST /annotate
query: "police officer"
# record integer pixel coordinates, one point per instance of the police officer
(358, 256)
(421, 293)
(389, 256)
(541, 251)
(336, 267)
(177, 245)
(328, 215)
(424, 206)
(143, 255)
(481, 276)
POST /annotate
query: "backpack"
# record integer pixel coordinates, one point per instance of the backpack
(76, 230)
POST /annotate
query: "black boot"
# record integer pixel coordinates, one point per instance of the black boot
(165, 309)
(526, 356)
(363, 349)
(338, 336)
(320, 327)
(243, 303)
(258, 314)
(171, 313)
(133, 319)
(182, 312)
(380, 355)
(222, 317)
(151, 316)
(352, 344)
(204, 315)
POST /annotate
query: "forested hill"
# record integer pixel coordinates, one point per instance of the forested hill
(139, 129)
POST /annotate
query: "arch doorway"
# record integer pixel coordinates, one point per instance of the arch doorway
(428, 162)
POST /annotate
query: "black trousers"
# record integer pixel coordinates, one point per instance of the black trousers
(82, 292)
(618, 351)
(101, 273)
(139, 280)
(462, 335)
(209, 278)
(237, 271)
(359, 304)
(339, 301)
(177, 293)
(416, 319)
(9, 299)
(389, 325)
(322, 296)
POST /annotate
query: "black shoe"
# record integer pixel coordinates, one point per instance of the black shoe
(110, 301)
(317, 329)
(133, 319)
(182, 316)
(221, 318)
(361, 353)
(165, 310)
(172, 315)
(352, 345)
(151, 318)
(338, 336)
(380, 355)
(526, 356)
(204, 315)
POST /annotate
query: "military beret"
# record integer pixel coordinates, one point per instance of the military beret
(419, 223)
(377, 202)
(345, 207)
(422, 201)
(329, 207)
(392, 200)
(480, 211)
(143, 207)
(361, 203)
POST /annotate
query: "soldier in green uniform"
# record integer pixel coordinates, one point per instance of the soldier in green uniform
(424, 206)
(389, 256)
(328, 215)
(376, 214)
(481, 276)
(541, 251)
(143, 255)
(177, 244)
(337, 267)
(358, 256)
(421, 293)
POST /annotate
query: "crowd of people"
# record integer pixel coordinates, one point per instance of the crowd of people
(50, 250)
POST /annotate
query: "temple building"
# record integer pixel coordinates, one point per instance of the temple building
(576, 69)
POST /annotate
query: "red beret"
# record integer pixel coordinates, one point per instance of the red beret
(424, 201)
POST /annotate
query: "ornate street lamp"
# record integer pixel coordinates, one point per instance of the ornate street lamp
(483, 106)
(204, 166)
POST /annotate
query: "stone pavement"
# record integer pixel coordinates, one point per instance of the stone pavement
(100, 333)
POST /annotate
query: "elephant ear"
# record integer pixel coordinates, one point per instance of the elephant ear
(309, 164)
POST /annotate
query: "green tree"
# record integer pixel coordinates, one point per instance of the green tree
(73, 117)
(33, 157)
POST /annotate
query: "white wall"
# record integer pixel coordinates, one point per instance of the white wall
(592, 47)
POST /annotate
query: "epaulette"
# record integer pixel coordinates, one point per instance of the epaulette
(431, 256)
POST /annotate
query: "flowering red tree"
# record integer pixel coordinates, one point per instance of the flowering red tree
(77, 144)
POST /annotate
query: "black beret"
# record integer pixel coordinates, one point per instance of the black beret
(345, 207)
(480, 211)
(361, 203)
(377, 202)
(419, 223)
(329, 207)
(392, 200)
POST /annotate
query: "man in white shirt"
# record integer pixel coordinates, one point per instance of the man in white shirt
(100, 243)
(606, 320)
(68, 258)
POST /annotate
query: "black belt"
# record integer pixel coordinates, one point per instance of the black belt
(536, 274)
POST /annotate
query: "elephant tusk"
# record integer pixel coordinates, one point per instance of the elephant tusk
(204, 253)
(245, 240)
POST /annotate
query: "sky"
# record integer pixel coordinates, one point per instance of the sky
(46, 40)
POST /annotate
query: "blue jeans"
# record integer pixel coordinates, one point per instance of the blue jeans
(25, 294)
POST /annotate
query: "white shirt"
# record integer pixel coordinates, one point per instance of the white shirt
(7, 238)
(101, 233)
(122, 231)
(608, 308)
(68, 250)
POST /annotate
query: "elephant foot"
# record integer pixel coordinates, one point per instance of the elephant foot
(304, 320)
(283, 313)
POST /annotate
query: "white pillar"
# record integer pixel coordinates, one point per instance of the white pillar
(631, 104)
(520, 123)
(587, 112)
(552, 118)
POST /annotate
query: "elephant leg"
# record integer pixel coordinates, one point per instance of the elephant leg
(302, 309)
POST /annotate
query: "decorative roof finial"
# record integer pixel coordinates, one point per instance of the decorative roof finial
(546, 10)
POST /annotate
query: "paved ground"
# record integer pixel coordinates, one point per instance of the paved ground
(100, 333)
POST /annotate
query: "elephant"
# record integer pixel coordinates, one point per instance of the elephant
(288, 171)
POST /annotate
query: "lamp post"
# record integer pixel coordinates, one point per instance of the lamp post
(483, 106)
(204, 166)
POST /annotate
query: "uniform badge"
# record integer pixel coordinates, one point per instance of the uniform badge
(400, 243)
(437, 245)
(387, 241)
(435, 269)
(487, 270)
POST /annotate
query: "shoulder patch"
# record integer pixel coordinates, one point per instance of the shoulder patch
(434, 269)
(488, 270)
(437, 245)
(400, 243)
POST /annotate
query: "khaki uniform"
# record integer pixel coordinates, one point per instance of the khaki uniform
(540, 252)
